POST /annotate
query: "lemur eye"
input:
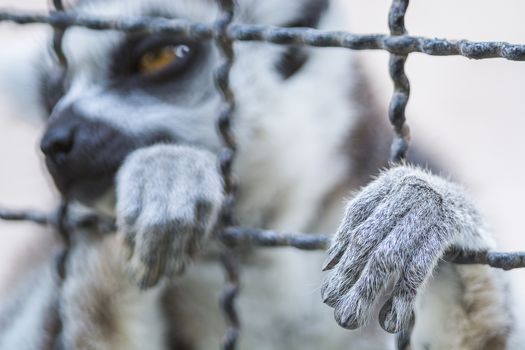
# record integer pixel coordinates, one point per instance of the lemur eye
(170, 58)
(142, 60)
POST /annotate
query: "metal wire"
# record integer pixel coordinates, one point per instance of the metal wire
(242, 236)
(226, 156)
(398, 44)
(62, 213)
(396, 115)
(58, 35)
(398, 103)
(27, 215)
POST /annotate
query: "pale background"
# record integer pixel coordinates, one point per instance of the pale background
(469, 114)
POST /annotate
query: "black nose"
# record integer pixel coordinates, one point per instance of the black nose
(58, 141)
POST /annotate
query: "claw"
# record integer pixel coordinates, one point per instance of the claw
(394, 319)
(345, 319)
(329, 299)
(147, 277)
(388, 318)
(332, 260)
(328, 294)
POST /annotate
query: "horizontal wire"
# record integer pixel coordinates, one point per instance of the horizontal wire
(397, 44)
(236, 235)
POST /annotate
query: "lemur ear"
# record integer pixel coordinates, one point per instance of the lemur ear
(68, 4)
(294, 57)
(311, 14)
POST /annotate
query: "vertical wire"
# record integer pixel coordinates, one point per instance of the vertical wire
(398, 103)
(61, 214)
(226, 158)
(58, 35)
(396, 114)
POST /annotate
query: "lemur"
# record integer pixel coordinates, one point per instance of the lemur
(131, 134)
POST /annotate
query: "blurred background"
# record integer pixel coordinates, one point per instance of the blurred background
(469, 114)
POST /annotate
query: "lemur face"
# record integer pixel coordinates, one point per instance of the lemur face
(126, 91)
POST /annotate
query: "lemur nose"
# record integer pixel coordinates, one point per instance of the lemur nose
(58, 142)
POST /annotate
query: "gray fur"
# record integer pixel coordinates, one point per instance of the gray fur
(395, 229)
(168, 199)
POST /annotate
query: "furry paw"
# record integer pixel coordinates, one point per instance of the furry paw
(393, 233)
(168, 199)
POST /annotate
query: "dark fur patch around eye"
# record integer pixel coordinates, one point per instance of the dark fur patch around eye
(294, 58)
(125, 57)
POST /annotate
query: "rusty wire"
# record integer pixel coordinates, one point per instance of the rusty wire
(224, 33)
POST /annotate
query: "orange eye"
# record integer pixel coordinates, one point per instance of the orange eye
(161, 58)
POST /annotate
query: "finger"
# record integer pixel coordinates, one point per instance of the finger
(384, 196)
(396, 314)
(145, 274)
(365, 238)
(128, 214)
(151, 251)
(186, 243)
(194, 244)
(178, 257)
(389, 259)
(357, 211)
(203, 212)
(354, 307)
(199, 228)
(347, 272)
(127, 239)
